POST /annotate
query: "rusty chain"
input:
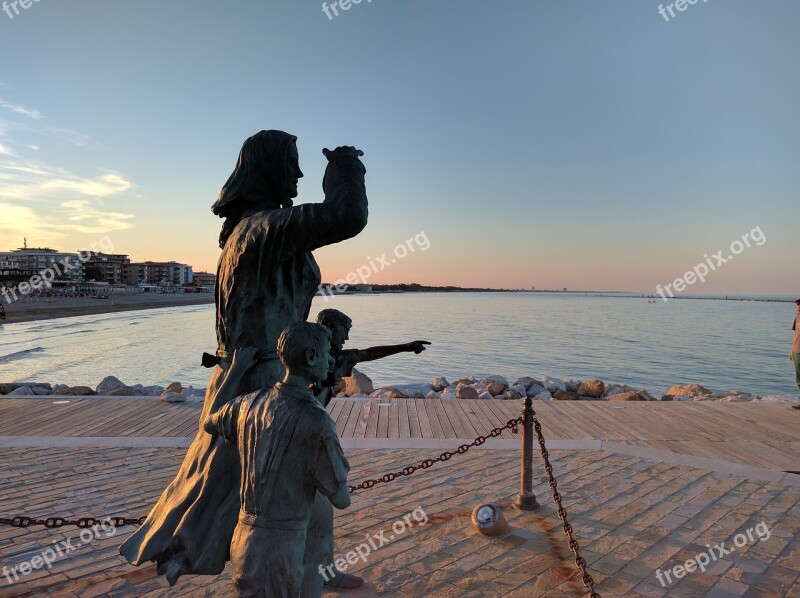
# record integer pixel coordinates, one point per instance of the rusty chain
(580, 562)
(83, 522)
(512, 424)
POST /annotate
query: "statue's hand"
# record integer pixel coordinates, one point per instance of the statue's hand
(417, 346)
(244, 358)
(341, 151)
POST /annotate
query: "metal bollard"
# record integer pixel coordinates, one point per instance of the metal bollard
(526, 499)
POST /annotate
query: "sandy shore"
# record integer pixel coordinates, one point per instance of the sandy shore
(49, 308)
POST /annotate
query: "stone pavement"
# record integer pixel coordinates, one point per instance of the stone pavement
(633, 517)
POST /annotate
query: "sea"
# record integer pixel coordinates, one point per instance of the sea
(722, 344)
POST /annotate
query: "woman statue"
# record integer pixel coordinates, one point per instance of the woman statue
(266, 280)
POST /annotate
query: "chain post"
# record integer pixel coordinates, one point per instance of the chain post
(526, 499)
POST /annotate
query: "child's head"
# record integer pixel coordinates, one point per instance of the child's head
(304, 350)
(339, 325)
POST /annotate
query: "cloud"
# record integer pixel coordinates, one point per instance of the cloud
(49, 203)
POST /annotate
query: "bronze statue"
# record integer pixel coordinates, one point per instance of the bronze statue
(346, 359)
(266, 280)
(290, 454)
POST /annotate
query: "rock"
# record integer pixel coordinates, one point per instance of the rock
(188, 392)
(525, 382)
(413, 391)
(173, 397)
(467, 380)
(519, 389)
(174, 387)
(552, 384)
(489, 379)
(689, 390)
(572, 385)
(512, 395)
(543, 396)
(108, 384)
(466, 392)
(646, 395)
(564, 395)
(432, 395)
(681, 398)
(592, 388)
(388, 392)
(630, 395)
(448, 395)
(667, 397)
(396, 394)
(6, 388)
(485, 395)
(534, 390)
(40, 390)
(77, 391)
(21, 391)
(439, 383)
(122, 391)
(152, 391)
(58, 388)
(735, 396)
(358, 383)
(496, 388)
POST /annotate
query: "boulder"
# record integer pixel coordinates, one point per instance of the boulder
(511, 395)
(448, 395)
(173, 397)
(552, 384)
(358, 384)
(466, 392)
(519, 389)
(525, 382)
(534, 390)
(6, 388)
(414, 391)
(58, 388)
(122, 391)
(149, 391)
(467, 380)
(630, 395)
(496, 388)
(646, 395)
(737, 397)
(21, 391)
(543, 396)
(489, 379)
(439, 383)
(667, 397)
(77, 391)
(485, 395)
(174, 387)
(40, 390)
(689, 390)
(593, 388)
(432, 395)
(108, 384)
(572, 385)
(564, 395)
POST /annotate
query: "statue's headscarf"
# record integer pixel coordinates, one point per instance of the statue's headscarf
(258, 181)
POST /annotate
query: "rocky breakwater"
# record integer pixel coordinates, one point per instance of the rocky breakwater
(543, 388)
(108, 387)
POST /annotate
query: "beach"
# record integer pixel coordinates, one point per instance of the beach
(48, 308)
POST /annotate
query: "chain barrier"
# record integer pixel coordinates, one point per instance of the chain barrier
(580, 562)
(512, 424)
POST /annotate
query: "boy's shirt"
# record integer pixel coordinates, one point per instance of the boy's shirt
(796, 328)
(288, 449)
(346, 360)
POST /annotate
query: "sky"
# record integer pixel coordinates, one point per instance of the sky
(570, 143)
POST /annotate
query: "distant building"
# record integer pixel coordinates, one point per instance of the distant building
(204, 279)
(112, 266)
(165, 274)
(66, 266)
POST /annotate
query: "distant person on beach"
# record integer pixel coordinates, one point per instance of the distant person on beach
(266, 280)
(795, 354)
(289, 453)
(346, 359)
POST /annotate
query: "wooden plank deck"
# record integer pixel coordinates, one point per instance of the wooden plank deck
(764, 435)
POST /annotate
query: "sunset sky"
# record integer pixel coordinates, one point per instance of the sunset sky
(588, 145)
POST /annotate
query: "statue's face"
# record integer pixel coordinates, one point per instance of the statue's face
(320, 363)
(339, 334)
(293, 172)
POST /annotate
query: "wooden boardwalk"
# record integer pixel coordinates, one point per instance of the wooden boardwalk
(762, 435)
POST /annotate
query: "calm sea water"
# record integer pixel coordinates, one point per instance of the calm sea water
(723, 345)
